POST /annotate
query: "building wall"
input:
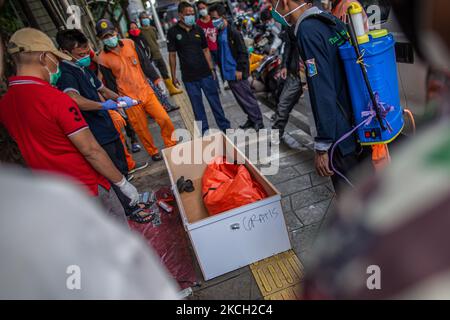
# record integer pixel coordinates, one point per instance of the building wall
(43, 19)
(165, 3)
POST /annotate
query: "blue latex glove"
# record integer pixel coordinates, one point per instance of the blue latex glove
(130, 103)
(109, 105)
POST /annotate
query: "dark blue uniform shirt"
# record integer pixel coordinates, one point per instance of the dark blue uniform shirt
(86, 83)
(319, 37)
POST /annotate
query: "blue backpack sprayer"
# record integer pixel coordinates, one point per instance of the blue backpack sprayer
(370, 65)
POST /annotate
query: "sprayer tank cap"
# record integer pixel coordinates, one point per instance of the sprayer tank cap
(355, 8)
(376, 34)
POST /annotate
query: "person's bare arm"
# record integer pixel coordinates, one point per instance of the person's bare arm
(85, 142)
(173, 67)
(83, 103)
(210, 62)
(107, 93)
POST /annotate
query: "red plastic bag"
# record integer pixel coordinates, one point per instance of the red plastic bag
(227, 186)
(170, 242)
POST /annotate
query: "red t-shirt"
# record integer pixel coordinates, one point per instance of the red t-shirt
(210, 33)
(40, 119)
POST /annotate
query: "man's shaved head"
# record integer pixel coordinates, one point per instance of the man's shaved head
(26, 58)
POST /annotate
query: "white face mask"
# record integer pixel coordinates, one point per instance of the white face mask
(281, 19)
(203, 12)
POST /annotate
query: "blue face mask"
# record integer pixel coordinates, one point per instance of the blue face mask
(145, 22)
(84, 62)
(189, 20)
(282, 19)
(218, 23)
(111, 42)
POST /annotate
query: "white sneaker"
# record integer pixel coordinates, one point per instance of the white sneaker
(291, 142)
(139, 166)
(275, 137)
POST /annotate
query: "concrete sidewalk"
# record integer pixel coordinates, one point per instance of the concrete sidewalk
(306, 197)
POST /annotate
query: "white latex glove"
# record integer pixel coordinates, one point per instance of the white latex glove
(162, 88)
(129, 190)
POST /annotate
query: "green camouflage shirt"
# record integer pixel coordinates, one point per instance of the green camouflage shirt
(151, 35)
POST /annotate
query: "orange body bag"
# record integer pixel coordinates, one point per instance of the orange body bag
(227, 186)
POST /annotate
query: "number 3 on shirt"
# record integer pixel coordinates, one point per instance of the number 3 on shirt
(76, 113)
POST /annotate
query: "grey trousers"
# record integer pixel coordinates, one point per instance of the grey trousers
(161, 65)
(244, 96)
(291, 94)
(112, 205)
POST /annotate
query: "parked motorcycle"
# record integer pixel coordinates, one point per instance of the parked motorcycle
(262, 42)
(266, 80)
(264, 67)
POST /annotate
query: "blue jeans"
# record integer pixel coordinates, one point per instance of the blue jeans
(209, 87)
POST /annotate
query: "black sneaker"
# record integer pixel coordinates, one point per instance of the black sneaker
(135, 148)
(139, 166)
(157, 157)
(273, 117)
(258, 127)
(171, 108)
(248, 125)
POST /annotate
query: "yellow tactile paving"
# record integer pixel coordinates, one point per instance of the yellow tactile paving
(279, 277)
(186, 112)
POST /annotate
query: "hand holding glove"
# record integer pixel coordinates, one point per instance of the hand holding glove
(109, 105)
(129, 190)
(161, 87)
(130, 102)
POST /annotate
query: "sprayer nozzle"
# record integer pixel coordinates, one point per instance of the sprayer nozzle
(355, 8)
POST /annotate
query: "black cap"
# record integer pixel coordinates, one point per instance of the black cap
(104, 26)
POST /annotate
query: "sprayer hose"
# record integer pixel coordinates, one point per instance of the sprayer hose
(411, 118)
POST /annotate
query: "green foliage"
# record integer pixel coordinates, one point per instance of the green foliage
(97, 7)
(9, 22)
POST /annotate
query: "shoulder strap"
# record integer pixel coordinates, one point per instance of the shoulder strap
(323, 16)
(334, 23)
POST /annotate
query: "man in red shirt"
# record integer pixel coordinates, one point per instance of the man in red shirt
(211, 32)
(48, 127)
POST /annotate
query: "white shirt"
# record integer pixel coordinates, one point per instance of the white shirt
(48, 225)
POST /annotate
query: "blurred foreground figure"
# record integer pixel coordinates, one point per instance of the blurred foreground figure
(56, 244)
(390, 238)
